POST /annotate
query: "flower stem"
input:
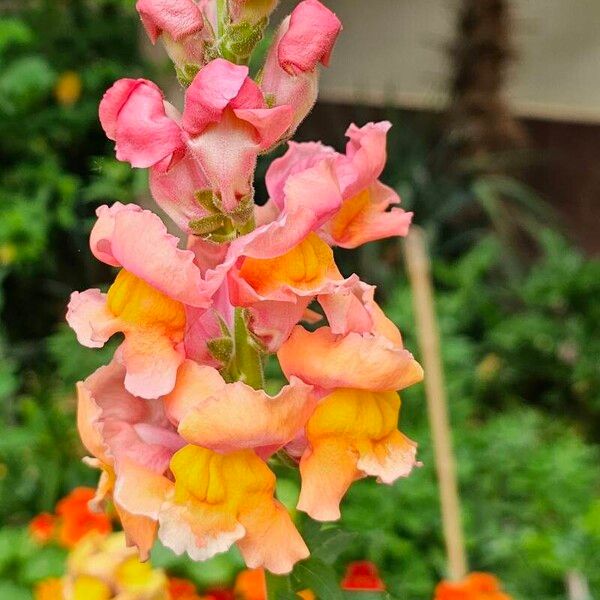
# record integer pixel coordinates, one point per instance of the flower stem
(247, 355)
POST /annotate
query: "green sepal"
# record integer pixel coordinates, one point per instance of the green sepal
(206, 199)
(221, 349)
(207, 225)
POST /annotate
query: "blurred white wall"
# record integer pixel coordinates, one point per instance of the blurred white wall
(394, 52)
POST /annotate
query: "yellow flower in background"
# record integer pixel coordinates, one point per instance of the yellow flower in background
(489, 367)
(8, 253)
(68, 88)
(101, 567)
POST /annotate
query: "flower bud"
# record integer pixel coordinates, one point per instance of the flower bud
(180, 24)
(290, 75)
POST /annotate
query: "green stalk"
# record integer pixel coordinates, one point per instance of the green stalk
(247, 356)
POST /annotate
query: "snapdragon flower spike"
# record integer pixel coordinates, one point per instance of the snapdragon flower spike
(183, 29)
(304, 39)
(227, 125)
(353, 432)
(132, 441)
(147, 300)
(363, 215)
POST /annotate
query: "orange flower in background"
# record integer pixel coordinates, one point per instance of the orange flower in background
(476, 586)
(76, 518)
(362, 576)
(251, 584)
(42, 528)
(182, 589)
(49, 589)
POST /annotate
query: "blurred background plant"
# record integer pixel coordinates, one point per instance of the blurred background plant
(517, 304)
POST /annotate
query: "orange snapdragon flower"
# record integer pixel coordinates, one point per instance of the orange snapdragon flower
(77, 520)
(476, 586)
(49, 589)
(362, 576)
(251, 584)
(42, 528)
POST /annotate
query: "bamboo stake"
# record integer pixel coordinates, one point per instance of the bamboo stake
(419, 271)
(577, 586)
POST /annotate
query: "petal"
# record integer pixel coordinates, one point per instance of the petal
(310, 38)
(153, 257)
(179, 18)
(271, 540)
(151, 360)
(311, 197)
(364, 218)
(115, 425)
(218, 418)
(270, 123)
(359, 361)
(389, 458)
(132, 113)
(89, 317)
(365, 157)
(272, 322)
(174, 190)
(298, 158)
(213, 88)
(350, 309)
(227, 151)
(327, 471)
(280, 87)
(199, 533)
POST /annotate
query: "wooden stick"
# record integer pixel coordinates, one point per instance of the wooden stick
(577, 586)
(419, 271)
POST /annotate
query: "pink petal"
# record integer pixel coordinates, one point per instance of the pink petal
(132, 113)
(298, 158)
(179, 18)
(270, 123)
(310, 38)
(350, 309)
(137, 240)
(152, 362)
(365, 158)
(299, 91)
(212, 90)
(90, 318)
(174, 190)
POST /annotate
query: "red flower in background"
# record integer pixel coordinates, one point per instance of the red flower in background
(42, 528)
(362, 576)
(76, 519)
(476, 586)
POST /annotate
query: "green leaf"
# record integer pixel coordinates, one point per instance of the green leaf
(10, 591)
(315, 575)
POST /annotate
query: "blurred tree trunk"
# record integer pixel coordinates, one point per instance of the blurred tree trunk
(480, 121)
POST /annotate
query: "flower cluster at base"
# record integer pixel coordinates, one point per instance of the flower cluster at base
(179, 422)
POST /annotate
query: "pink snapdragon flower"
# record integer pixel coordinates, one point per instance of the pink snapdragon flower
(363, 215)
(304, 39)
(147, 300)
(225, 125)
